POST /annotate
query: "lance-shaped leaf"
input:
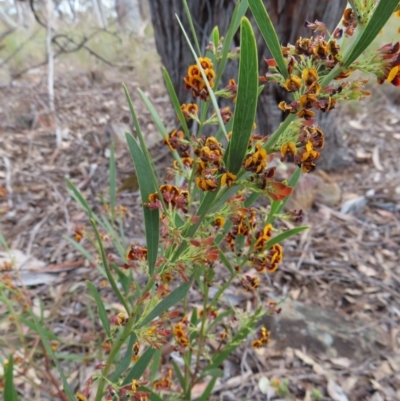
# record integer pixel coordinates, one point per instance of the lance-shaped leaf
(10, 392)
(113, 181)
(147, 187)
(286, 234)
(100, 307)
(246, 101)
(269, 34)
(106, 266)
(175, 102)
(170, 300)
(126, 360)
(382, 13)
(239, 11)
(140, 366)
(46, 343)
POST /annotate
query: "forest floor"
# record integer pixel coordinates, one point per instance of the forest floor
(339, 330)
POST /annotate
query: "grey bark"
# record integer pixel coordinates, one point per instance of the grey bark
(128, 13)
(99, 12)
(288, 17)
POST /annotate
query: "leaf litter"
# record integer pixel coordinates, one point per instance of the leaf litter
(342, 276)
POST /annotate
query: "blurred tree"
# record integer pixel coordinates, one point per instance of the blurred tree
(288, 17)
(128, 14)
(99, 12)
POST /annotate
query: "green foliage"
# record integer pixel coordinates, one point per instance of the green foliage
(203, 227)
(246, 102)
(10, 392)
(269, 34)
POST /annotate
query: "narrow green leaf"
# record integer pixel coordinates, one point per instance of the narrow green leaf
(221, 315)
(189, 17)
(286, 234)
(139, 132)
(114, 235)
(3, 242)
(251, 199)
(113, 181)
(382, 13)
(153, 395)
(124, 279)
(10, 392)
(269, 34)
(239, 12)
(42, 333)
(32, 326)
(246, 103)
(146, 186)
(210, 91)
(155, 365)
(273, 139)
(65, 356)
(156, 117)
(215, 36)
(225, 260)
(159, 124)
(175, 102)
(126, 360)
(215, 373)
(100, 307)
(178, 373)
(140, 366)
(207, 392)
(107, 268)
(78, 196)
(201, 213)
(228, 349)
(79, 247)
(170, 300)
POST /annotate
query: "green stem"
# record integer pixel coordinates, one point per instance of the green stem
(221, 290)
(202, 334)
(273, 139)
(114, 350)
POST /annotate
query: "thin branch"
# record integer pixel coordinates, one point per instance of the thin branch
(35, 14)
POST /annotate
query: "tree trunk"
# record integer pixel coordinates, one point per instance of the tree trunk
(98, 10)
(288, 17)
(128, 13)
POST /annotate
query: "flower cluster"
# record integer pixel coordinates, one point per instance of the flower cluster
(305, 151)
(244, 221)
(190, 110)
(165, 382)
(269, 260)
(136, 252)
(194, 79)
(310, 95)
(175, 141)
(172, 196)
(180, 334)
(389, 56)
(256, 161)
(209, 165)
(263, 338)
(262, 258)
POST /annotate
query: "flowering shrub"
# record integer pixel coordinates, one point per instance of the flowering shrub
(203, 219)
